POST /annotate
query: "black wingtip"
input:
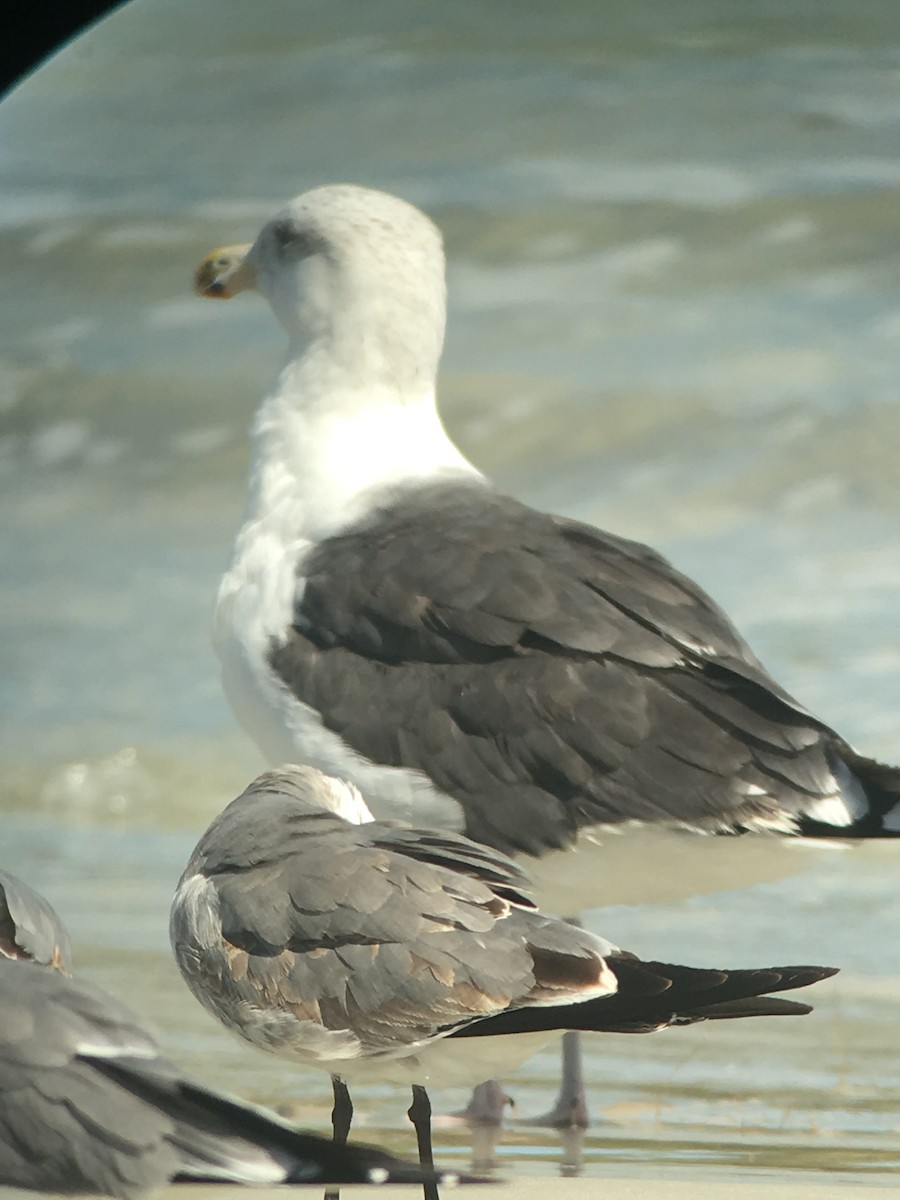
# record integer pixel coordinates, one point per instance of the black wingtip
(797, 977)
(754, 1006)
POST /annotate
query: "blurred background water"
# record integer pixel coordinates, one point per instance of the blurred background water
(674, 242)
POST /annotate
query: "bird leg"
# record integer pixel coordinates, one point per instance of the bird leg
(341, 1118)
(570, 1110)
(420, 1114)
(484, 1115)
(342, 1113)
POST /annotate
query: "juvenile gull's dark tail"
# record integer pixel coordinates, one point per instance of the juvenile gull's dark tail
(652, 995)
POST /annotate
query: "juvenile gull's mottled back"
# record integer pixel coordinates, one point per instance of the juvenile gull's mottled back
(362, 948)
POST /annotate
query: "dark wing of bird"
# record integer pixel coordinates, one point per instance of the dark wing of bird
(63, 1127)
(87, 1105)
(546, 675)
(219, 1139)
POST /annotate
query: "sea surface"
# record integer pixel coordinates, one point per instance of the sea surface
(674, 244)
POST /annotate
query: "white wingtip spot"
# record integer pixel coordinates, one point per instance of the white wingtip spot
(378, 1175)
(892, 820)
(830, 811)
(852, 793)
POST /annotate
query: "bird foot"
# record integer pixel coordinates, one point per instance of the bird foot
(487, 1105)
(569, 1112)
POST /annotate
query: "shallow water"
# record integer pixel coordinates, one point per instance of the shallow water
(674, 310)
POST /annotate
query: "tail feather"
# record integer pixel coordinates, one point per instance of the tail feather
(652, 995)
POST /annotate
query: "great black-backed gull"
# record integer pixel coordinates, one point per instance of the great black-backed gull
(88, 1105)
(391, 618)
(378, 951)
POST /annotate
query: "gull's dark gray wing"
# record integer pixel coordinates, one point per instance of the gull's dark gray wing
(290, 921)
(549, 676)
(30, 928)
(63, 1126)
(87, 1105)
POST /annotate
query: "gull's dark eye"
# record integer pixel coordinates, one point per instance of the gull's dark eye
(292, 239)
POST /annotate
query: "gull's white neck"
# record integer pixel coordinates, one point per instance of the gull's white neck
(324, 448)
(325, 444)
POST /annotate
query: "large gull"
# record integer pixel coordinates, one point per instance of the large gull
(88, 1105)
(388, 616)
(377, 951)
(391, 617)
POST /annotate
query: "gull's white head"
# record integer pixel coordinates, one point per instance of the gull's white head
(354, 275)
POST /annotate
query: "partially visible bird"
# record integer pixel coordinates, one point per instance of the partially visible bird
(88, 1104)
(30, 928)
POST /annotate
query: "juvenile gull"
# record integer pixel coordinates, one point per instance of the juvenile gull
(88, 1105)
(552, 690)
(377, 951)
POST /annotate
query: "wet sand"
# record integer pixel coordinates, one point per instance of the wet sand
(590, 1189)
